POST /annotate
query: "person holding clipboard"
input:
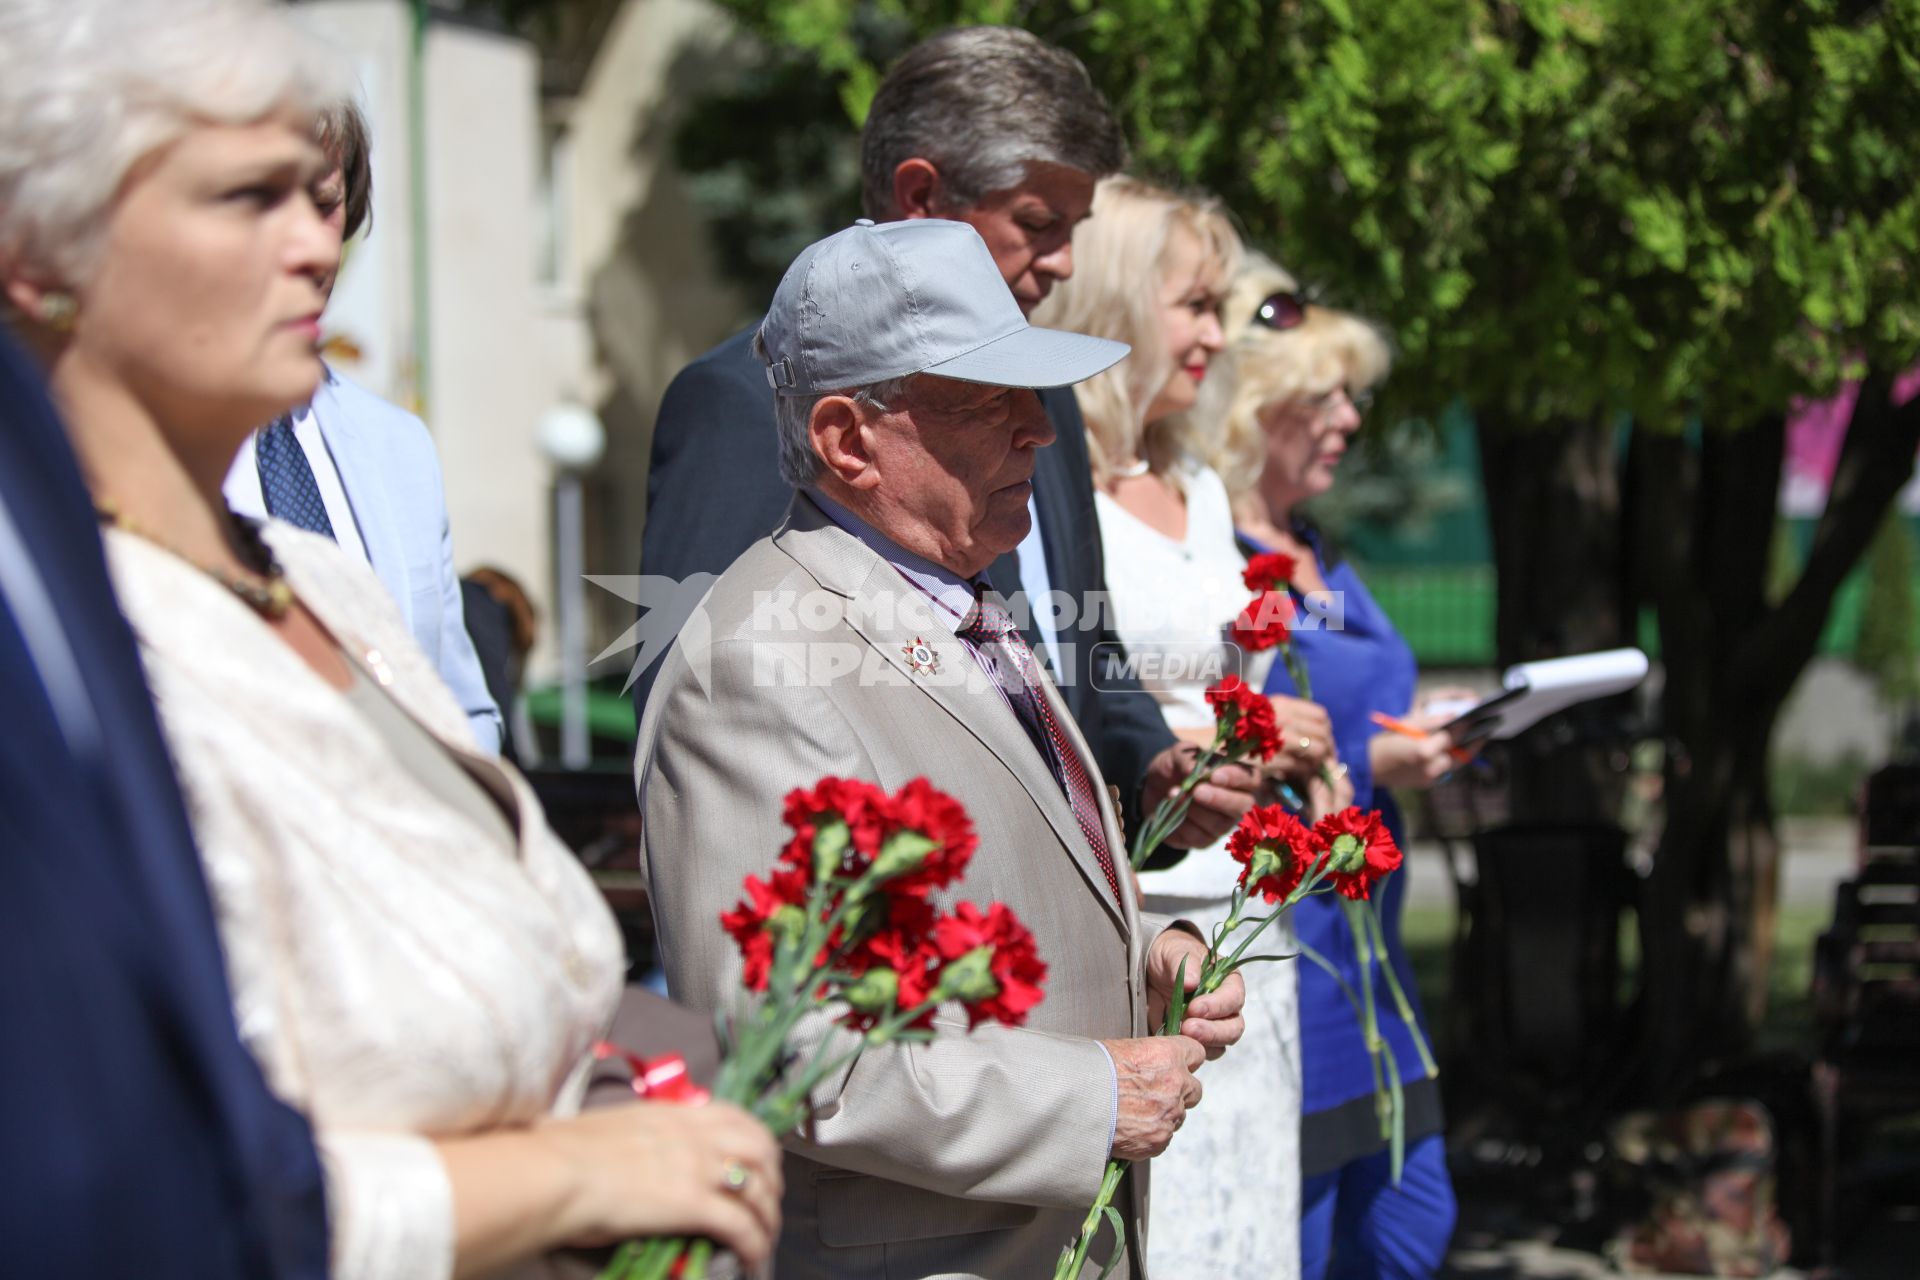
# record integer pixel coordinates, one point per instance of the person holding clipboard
(1282, 414)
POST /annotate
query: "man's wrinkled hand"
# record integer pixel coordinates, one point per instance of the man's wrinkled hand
(1213, 1021)
(1157, 1087)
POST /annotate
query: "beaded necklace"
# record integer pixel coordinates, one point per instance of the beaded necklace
(271, 598)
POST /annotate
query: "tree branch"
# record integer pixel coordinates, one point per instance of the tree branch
(1876, 461)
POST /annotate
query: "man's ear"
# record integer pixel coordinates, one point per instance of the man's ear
(917, 189)
(837, 431)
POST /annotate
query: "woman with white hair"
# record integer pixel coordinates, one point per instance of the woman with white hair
(1279, 418)
(1150, 269)
(417, 962)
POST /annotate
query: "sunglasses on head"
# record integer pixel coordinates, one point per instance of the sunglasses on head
(1281, 311)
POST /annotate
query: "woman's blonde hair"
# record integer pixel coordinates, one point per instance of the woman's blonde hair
(1263, 366)
(1113, 294)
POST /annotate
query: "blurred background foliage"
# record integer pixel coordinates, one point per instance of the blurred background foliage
(1684, 211)
(1613, 239)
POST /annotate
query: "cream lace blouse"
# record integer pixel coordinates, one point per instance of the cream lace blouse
(398, 973)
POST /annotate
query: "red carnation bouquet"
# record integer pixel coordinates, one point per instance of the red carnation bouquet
(1244, 727)
(845, 924)
(1357, 849)
(1282, 860)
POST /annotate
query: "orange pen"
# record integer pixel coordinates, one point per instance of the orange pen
(1459, 755)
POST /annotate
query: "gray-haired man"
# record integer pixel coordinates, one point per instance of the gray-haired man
(996, 128)
(860, 640)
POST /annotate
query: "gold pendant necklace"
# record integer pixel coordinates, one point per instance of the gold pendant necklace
(269, 596)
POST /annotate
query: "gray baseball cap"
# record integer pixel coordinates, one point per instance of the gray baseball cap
(875, 302)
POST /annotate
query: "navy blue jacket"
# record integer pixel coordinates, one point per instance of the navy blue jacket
(137, 1136)
(714, 487)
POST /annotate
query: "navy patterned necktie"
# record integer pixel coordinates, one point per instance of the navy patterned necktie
(286, 479)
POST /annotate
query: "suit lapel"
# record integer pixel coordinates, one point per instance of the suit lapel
(892, 616)
(357, 461)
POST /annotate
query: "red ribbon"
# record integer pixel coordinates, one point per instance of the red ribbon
(661, 1079)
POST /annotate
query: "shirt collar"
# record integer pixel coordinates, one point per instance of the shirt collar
(952, 595)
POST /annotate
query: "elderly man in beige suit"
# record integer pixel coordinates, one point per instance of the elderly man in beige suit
(856, 640)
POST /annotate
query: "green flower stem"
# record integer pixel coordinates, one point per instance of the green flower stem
(648, 1259)
(1327, 966)
(753, 1060)
(1401, 1004)
(1172, 811)
(1297, 672)
(1305, 887)
(1397, 1139)
(1071, 1263)
(1370, 1021)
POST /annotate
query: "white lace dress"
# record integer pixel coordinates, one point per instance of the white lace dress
(1226, 1193)
(398, 970)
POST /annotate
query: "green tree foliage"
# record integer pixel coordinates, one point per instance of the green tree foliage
(1571, 214)
(1886, 647)
(1561, 207)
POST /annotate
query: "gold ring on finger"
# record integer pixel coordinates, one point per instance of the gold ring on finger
(1304, 746)
(735, 1176)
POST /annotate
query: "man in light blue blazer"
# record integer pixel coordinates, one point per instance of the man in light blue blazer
(364, 472)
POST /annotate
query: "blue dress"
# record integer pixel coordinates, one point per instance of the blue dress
(1357, 664)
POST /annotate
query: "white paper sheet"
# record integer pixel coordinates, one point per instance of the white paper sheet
(1535, 690)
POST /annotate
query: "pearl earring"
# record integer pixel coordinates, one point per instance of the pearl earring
(57, 311)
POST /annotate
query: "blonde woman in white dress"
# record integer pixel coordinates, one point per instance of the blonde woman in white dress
(417, 962)
(1150, 269)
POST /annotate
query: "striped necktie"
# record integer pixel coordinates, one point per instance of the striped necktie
(286, 479)
(993, 633)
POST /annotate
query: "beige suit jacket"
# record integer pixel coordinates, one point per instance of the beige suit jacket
(977, 1154)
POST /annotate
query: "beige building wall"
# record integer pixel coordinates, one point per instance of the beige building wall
(564, 260)
(486, 377)
(489, 379)
(641, 275)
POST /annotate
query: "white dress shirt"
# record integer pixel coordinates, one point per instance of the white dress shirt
(1037, 583)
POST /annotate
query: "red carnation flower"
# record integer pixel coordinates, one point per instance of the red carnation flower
(1247, 717)
(1268, 571)
(1359, 850)
(923, 810)
(771, 910)
(861, 806)
(896, 967)
(1276, 850)
(921, 836)
(993, 966)
(1265, 623)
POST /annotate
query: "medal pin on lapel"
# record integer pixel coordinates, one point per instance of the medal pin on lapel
(921, 659)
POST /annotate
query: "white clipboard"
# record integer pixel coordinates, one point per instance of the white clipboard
(1533, 691)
